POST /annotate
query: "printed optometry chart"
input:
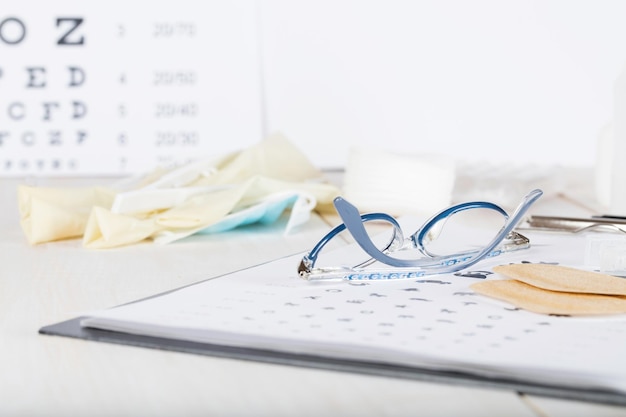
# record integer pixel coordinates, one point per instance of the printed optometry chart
(121, 87)
(434, 322)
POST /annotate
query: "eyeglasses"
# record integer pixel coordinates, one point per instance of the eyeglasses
(418, 255)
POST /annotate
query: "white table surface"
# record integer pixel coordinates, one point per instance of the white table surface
(56, 376)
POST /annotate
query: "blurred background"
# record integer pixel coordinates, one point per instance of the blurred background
(118, 87)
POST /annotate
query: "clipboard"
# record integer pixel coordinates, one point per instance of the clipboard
(420, 371)
(73, 329)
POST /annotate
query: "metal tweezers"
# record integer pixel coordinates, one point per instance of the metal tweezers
(577, 224)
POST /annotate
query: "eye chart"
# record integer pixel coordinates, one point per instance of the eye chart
(434, 322)
(121, 87)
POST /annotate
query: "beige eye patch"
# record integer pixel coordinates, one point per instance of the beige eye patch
(550, 302)
(554, 289)
(563, 278)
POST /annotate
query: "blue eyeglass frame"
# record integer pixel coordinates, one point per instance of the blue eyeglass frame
(431, 264)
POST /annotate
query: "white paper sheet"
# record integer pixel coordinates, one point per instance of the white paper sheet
(436, 322)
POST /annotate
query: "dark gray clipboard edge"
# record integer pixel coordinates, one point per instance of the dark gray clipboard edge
(72, 328)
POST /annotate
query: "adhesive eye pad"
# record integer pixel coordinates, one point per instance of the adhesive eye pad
(555, 289)
(550, 302)
(562, 278)
(543, 301)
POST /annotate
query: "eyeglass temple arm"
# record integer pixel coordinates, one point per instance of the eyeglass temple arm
(308, 262)
(352, 219)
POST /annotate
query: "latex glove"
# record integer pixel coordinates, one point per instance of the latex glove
(106, 229)
(48, 214)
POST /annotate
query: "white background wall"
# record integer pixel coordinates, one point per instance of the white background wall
(528, 80)
(517, 80)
